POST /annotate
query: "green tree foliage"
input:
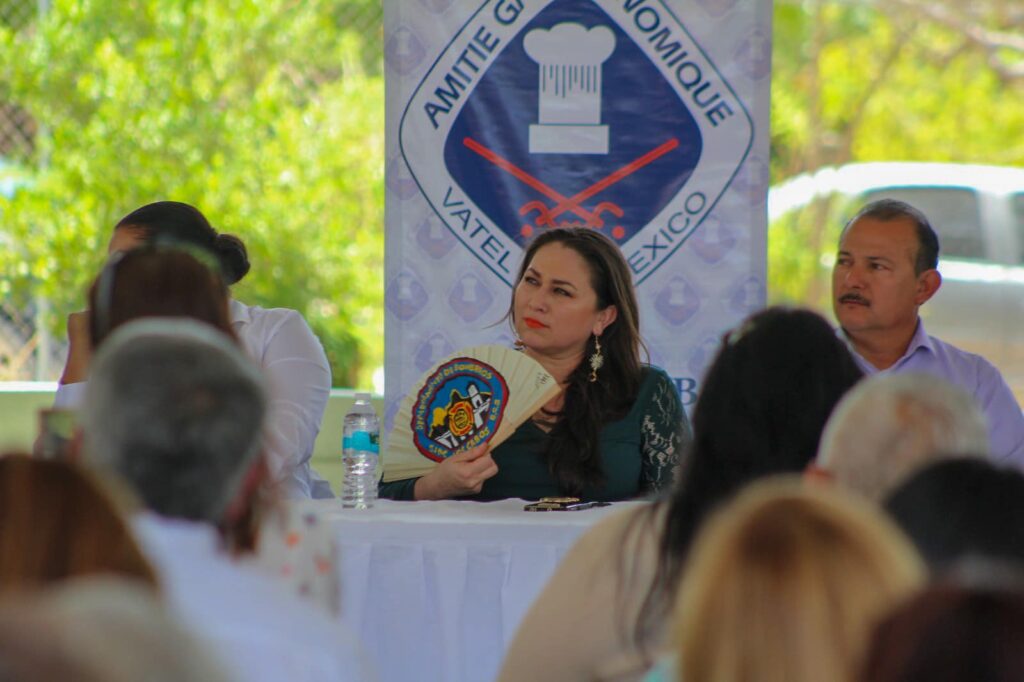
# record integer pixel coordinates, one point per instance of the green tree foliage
(908, 80)
(268, 115)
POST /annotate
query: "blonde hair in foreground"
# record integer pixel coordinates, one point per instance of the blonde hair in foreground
(786, 584)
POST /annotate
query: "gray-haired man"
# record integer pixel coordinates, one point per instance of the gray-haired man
(891, 425)
(176, 410)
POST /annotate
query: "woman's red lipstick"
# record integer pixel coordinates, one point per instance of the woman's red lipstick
(533, 324)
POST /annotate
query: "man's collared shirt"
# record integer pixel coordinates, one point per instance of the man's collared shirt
(974, 374)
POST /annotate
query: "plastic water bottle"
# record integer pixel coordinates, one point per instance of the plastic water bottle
(359, 453)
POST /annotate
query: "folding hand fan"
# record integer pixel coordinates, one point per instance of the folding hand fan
(478, 394)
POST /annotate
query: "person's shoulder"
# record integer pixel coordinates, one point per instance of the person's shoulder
(964, 360)
(621, 546)
(260, 609)
(652, 376)
(653, 382)
(236, 603)
(245, 594)
(254, 314)
(260, 326)
(635, 524)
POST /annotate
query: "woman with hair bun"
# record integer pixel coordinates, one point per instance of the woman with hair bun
(279, 339)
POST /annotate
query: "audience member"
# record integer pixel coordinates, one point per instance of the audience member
(615, 431)
(148, 282)
(961, 509)
(761, 410)
(950, 633)
(96, 630)
(891, 425)
(884, 272)
(157, 282)
(181, 281)
(786, 585)
(174, 408)
(277, 338)
(165, 281)
(58, 522)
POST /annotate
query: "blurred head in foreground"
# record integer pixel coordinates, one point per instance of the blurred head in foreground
(786, 583)
(57, 521)
(893, 424)
(98, 631)
(175, 409)
(951, 633)
(761, 409)
(962, 509)
(157, 282)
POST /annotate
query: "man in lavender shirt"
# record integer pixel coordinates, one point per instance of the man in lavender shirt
(884, 272)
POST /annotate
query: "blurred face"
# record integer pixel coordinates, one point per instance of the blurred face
(874, 286)
(126, 239)
(555, 306)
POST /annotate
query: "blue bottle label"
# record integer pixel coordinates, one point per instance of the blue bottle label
(362, 440)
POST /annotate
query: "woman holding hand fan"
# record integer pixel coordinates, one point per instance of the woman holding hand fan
(616, 429)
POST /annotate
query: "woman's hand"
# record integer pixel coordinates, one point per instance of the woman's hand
(463, 473)
(79, 349)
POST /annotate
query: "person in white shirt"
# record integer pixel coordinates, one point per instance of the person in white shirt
(278, 339)
(175, 410)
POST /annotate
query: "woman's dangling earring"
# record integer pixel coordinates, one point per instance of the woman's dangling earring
(518, 344)
(596, 359)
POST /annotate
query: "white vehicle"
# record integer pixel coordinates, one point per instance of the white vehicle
(978, 213)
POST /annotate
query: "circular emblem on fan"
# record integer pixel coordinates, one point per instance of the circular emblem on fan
(460, 406)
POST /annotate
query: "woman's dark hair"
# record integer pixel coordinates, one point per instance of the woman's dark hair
(949, 633)
(571, 452)
(761, 410)
(174, 222)
(961, 508)
(157, 282)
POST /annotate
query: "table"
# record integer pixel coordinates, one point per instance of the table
(437, 589)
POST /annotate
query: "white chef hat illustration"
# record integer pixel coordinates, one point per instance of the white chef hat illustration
(569, 56)
(570, 44)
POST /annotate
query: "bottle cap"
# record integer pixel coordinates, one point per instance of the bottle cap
(363, 396)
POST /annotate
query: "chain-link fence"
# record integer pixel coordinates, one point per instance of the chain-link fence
(17, 127)
(17, 133)
(27, 350)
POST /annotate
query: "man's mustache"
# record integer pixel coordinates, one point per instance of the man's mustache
(854, 298)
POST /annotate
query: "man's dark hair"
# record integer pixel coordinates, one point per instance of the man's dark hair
(888, 210)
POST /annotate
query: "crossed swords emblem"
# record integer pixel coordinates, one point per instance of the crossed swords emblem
(546, 214)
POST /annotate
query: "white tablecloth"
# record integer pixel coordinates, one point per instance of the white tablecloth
(437, 589)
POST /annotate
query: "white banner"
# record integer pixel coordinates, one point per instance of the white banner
(644, 119)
